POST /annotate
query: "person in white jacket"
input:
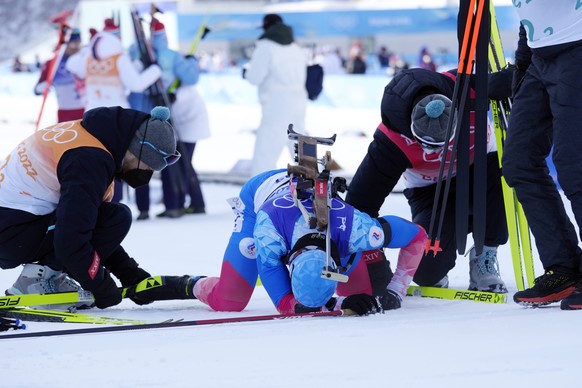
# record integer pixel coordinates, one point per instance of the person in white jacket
(191, 124)
(108, 72)
(278, 67)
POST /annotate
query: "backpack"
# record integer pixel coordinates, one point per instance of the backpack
(314, 81)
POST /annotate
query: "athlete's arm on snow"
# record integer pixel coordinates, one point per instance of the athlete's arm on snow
(391, 232)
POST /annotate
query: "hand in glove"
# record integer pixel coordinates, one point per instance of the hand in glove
(136, 297)
(390, 300)
(106, 294)
(518, 76)
(500, 83)
(125, 268)
(362, 304)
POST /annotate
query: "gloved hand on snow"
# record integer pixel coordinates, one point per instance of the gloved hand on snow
(390, 300)
(362, 304)
(106, 294)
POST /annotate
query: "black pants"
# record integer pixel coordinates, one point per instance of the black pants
(28, 238)
(547, 110)
(434, 268)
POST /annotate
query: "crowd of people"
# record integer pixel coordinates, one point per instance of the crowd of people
(103, 74)
(84, 158)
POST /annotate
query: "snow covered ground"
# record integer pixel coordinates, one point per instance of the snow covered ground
(428, 342)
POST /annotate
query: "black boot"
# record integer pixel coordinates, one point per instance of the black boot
(163, 288)
(551, 287)
(574, 301)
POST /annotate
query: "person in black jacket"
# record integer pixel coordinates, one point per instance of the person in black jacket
(410, 142)
(546, 113)
(55, 188)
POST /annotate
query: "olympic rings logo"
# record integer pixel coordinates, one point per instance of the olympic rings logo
(60, 133)
(286, 202)
(100, 67)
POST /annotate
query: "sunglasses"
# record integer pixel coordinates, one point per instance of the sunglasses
(168, 158)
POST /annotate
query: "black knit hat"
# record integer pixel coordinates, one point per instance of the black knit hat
(430, 117)
(154, 142)
(270, 19)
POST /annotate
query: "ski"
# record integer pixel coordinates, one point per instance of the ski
(517, 225)
(455, 294)
(171, 324)
(29, 300)
(82, 296)
(30, 315)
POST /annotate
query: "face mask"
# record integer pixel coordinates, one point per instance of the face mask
(136, 177)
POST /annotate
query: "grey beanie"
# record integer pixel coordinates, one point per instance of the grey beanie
(430, 117)
(158, 133)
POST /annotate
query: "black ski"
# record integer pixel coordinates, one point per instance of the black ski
(172, 324)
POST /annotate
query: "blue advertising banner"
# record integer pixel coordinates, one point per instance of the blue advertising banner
(228, 27)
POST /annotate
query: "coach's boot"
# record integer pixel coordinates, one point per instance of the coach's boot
(41, 279)
(553, 286)
(443, 283)
(574, 300)
(484, 271)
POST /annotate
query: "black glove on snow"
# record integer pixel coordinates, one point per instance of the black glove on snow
(390, 300)
(106, 294)
(136, 297)
(362, 304)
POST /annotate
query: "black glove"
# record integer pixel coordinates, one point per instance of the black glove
(244, 72)
(125, 268)
(136, 298)
(106, 294)
(390, 300)
(362, 304)
(500, 84)
(518, 76)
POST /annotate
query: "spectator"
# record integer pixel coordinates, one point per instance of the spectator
(356, 63)
(425, 60)
(180, 179)
(278, 67)
(71, 104)
(384, 57)
(108, 72)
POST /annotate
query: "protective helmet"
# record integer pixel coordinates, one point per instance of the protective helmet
(309, 288)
